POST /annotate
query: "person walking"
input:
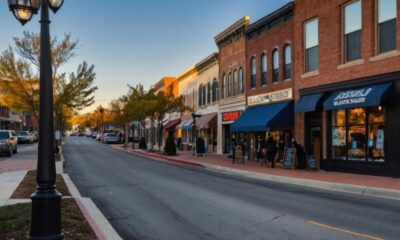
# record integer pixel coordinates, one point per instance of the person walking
(270, 145)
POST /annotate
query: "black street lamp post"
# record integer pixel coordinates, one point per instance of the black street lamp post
(46, 201)
(194, 116)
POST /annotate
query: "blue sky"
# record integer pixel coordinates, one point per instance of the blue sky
(132, 41)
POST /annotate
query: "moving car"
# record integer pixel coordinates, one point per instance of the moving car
(34, 136)
(24, 137)
(8, 142)
(110, 138)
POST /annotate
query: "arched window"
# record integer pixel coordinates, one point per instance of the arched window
(234, 83)
(224, 86)
(275, 65)
(264, 69)
(215, 90)
(253, 79)
(208, 92)
(204, 95)
(229, 84)
(241, 80)
(288, 62)
(200, 95)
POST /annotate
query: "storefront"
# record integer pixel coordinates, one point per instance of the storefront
(362, 126)
(269, 113)
(185, 136)
(227, 119)
(207, 130)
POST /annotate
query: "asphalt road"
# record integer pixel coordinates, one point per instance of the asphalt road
(147, 199)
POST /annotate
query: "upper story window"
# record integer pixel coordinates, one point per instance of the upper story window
(386, 25)
(311, 45)
(204, 95)
(275, 65)
(229, 84)
(264, 69)
(208, 92)
(224, 86)
(352, 31)
(215, 90)
(241, 80)
(288, 62)
(200, 95)
(253, 79)
(234, 84)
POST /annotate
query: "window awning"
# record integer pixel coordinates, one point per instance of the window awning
(171, 124)
(368, 96)
(308, 103)
(187, 125)
(259, 118)
(207, 121)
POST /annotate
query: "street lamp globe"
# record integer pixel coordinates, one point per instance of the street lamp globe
(23, 10)
(55, 4)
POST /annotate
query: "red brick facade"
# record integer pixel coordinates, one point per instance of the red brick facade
(265, 41)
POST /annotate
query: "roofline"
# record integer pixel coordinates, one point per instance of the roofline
(244, 21)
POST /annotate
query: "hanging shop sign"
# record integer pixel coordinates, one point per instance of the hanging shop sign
(271, 97)
(231, 116)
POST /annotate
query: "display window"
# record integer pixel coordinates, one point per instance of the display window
(358, 134)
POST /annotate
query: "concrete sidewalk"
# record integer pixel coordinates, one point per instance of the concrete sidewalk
(374, 186)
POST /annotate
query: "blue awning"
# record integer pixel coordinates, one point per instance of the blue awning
(359, 97)
(259, 118)
(187, 125)
(308, 103)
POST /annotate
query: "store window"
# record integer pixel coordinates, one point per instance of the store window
(352, 31)
(253, 81)
(264, 69)
(386, 25)
(234, 83)
(288, 62)
(275, 65)
(241, 80)
(358, 134)
(311, 45)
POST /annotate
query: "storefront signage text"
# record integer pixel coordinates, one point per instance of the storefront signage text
(230, 116)
(351, 97)
(270, 97)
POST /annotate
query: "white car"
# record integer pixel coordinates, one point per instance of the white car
(110, 138)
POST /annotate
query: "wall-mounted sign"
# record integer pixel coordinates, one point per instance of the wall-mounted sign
(352, 97)
(271, 97)
(231, 116)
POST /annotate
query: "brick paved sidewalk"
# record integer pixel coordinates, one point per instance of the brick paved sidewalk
(17, 165)
(331, 177)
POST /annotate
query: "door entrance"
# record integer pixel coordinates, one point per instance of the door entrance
(314, 137)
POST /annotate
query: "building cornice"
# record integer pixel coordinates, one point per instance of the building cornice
(204, 64)
(233, 33)
(188, 72)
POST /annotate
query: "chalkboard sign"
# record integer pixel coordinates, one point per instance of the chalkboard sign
(311, 163)
(289, 158)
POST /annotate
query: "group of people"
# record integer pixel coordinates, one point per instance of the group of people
(267, 150)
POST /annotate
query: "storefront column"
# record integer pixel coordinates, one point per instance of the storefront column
(299, 130)
(219, 135)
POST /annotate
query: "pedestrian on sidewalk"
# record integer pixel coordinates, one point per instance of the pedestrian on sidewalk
(270, 145)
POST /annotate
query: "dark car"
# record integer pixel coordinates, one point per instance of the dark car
(24, 137)
(8, 142)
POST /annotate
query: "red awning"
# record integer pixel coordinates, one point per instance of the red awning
(207, 121)
(171, 124)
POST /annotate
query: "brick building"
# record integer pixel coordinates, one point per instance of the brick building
(269, 82)
(346, 83)
(232, 69)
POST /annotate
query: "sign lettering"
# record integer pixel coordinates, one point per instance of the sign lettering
(277, 96)
(352, 97)
(230, 116)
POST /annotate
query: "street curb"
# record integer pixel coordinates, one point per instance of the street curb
(332, 186)
(99, 224)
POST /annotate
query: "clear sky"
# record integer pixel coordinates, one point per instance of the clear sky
(139, 41)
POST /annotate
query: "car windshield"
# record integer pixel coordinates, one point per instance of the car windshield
(4, 135)
(111, 135)
(22, 134)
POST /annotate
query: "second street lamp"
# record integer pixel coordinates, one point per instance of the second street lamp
(46, 201)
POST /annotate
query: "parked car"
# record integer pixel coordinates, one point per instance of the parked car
(8, 142)
(94, 134)
(110, 138)
(24, 137)
(81, 134)
(99, 137)
(34, 136)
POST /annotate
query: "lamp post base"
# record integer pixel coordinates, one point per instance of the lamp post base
(46, 215)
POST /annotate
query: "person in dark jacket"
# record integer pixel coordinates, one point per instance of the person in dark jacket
(270, 145)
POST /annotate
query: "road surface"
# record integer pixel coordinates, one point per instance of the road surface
(147, 199)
